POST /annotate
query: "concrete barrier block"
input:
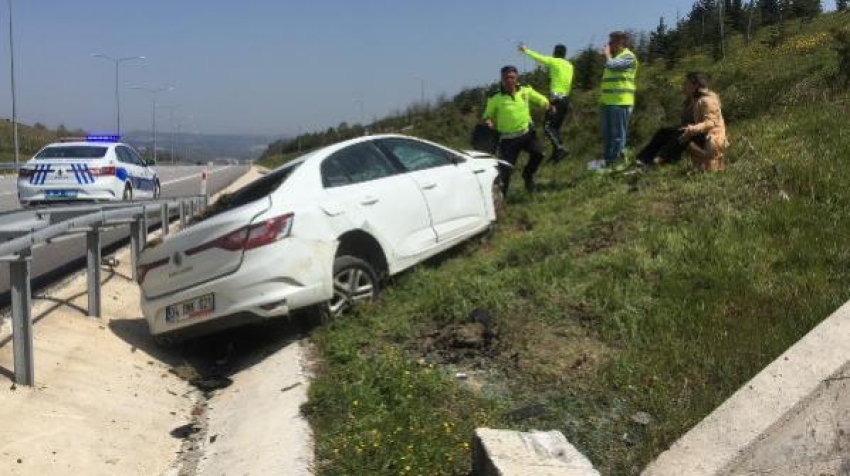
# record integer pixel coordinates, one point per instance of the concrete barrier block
(536, 453)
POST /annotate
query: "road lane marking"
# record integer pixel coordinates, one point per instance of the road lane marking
(183, 179)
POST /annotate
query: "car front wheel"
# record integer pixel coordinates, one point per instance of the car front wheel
(354, 281)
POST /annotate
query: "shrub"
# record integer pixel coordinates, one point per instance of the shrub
(842, 47)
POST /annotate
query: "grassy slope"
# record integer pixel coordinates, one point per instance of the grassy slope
(659, 292)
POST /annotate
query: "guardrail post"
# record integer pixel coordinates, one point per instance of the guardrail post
(22, 338)
(182, 214)
(144, 230)
(93, 271)
(135, 247)
(164, 219)
(192, 207)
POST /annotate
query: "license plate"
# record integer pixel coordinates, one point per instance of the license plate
(197, 307)
(59, 194)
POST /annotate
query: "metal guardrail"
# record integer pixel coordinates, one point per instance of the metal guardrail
(23, 231)
(9, 167)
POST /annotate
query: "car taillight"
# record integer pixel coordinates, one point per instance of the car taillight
(102, 171)
(268, 231)
(251, 236)
(25, 173)
(143, 269)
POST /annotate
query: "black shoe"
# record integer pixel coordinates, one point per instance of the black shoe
(557, 155)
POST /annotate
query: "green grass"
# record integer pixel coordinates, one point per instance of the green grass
(660, 292)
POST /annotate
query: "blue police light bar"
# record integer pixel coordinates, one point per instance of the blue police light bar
(103, 138)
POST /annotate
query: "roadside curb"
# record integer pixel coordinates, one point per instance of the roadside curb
(794, 415)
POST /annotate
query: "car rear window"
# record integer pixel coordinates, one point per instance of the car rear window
(254, 191)
(72, 152)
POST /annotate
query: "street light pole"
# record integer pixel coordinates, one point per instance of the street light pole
(117, 61)
(421, 91)
(171, 110)
(362, 116)
(12, 72)
(154, 91)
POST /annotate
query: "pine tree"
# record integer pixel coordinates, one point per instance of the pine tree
(806, 9)
(658, 41)
(588, 68)
(841, 5)
(771, 11)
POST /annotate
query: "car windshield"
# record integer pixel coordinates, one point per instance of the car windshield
(72, 152)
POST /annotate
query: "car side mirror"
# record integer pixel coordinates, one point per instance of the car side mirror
(150, 162)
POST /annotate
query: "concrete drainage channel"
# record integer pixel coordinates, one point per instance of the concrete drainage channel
(245, 419)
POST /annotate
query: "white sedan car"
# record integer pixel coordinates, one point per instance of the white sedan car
(321, 230)
(100, 169)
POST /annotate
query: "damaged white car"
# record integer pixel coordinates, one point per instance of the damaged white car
(321, 230)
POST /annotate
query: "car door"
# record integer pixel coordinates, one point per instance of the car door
(146, 176)
(128, 170)
(379, 199)
(454, 196)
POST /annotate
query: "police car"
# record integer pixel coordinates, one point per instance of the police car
(95, 168)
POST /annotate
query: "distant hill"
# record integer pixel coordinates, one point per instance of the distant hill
(187, 147)
(200, 147)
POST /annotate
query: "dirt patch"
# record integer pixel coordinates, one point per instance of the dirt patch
(600, 237)
(463, 343)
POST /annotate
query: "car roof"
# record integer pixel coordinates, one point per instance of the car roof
(83, 143)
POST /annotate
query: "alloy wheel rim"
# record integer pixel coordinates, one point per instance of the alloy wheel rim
(351, 285)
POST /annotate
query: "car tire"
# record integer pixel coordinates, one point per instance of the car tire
(157, 190)
(354, 281)
(128, 193)
(499, 206)
(499, 203)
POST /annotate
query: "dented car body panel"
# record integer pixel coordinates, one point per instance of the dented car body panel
(270, 248)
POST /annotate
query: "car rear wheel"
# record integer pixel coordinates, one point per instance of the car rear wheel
(128, 193)
(354, 281)
(499, 204)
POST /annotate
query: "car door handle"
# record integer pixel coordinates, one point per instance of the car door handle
(479, 171)
(369, 200)
(429, 185)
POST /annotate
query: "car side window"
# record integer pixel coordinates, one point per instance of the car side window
(136, 157)
(416, 155)
(357, 163)
(123, 155)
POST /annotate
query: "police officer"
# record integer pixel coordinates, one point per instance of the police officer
(509, 112)
(618, 96)
(560, 85)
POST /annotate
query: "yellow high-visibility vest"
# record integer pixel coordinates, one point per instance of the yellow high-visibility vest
(618, 85)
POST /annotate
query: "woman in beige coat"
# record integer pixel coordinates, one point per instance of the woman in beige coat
(706, 137)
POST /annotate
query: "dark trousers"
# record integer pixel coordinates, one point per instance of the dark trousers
(553, 121)
(667, 145)
(509, 150)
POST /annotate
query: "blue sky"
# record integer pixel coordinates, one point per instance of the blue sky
(280, 66)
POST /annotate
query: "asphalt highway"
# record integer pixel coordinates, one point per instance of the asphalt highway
(52, 262)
